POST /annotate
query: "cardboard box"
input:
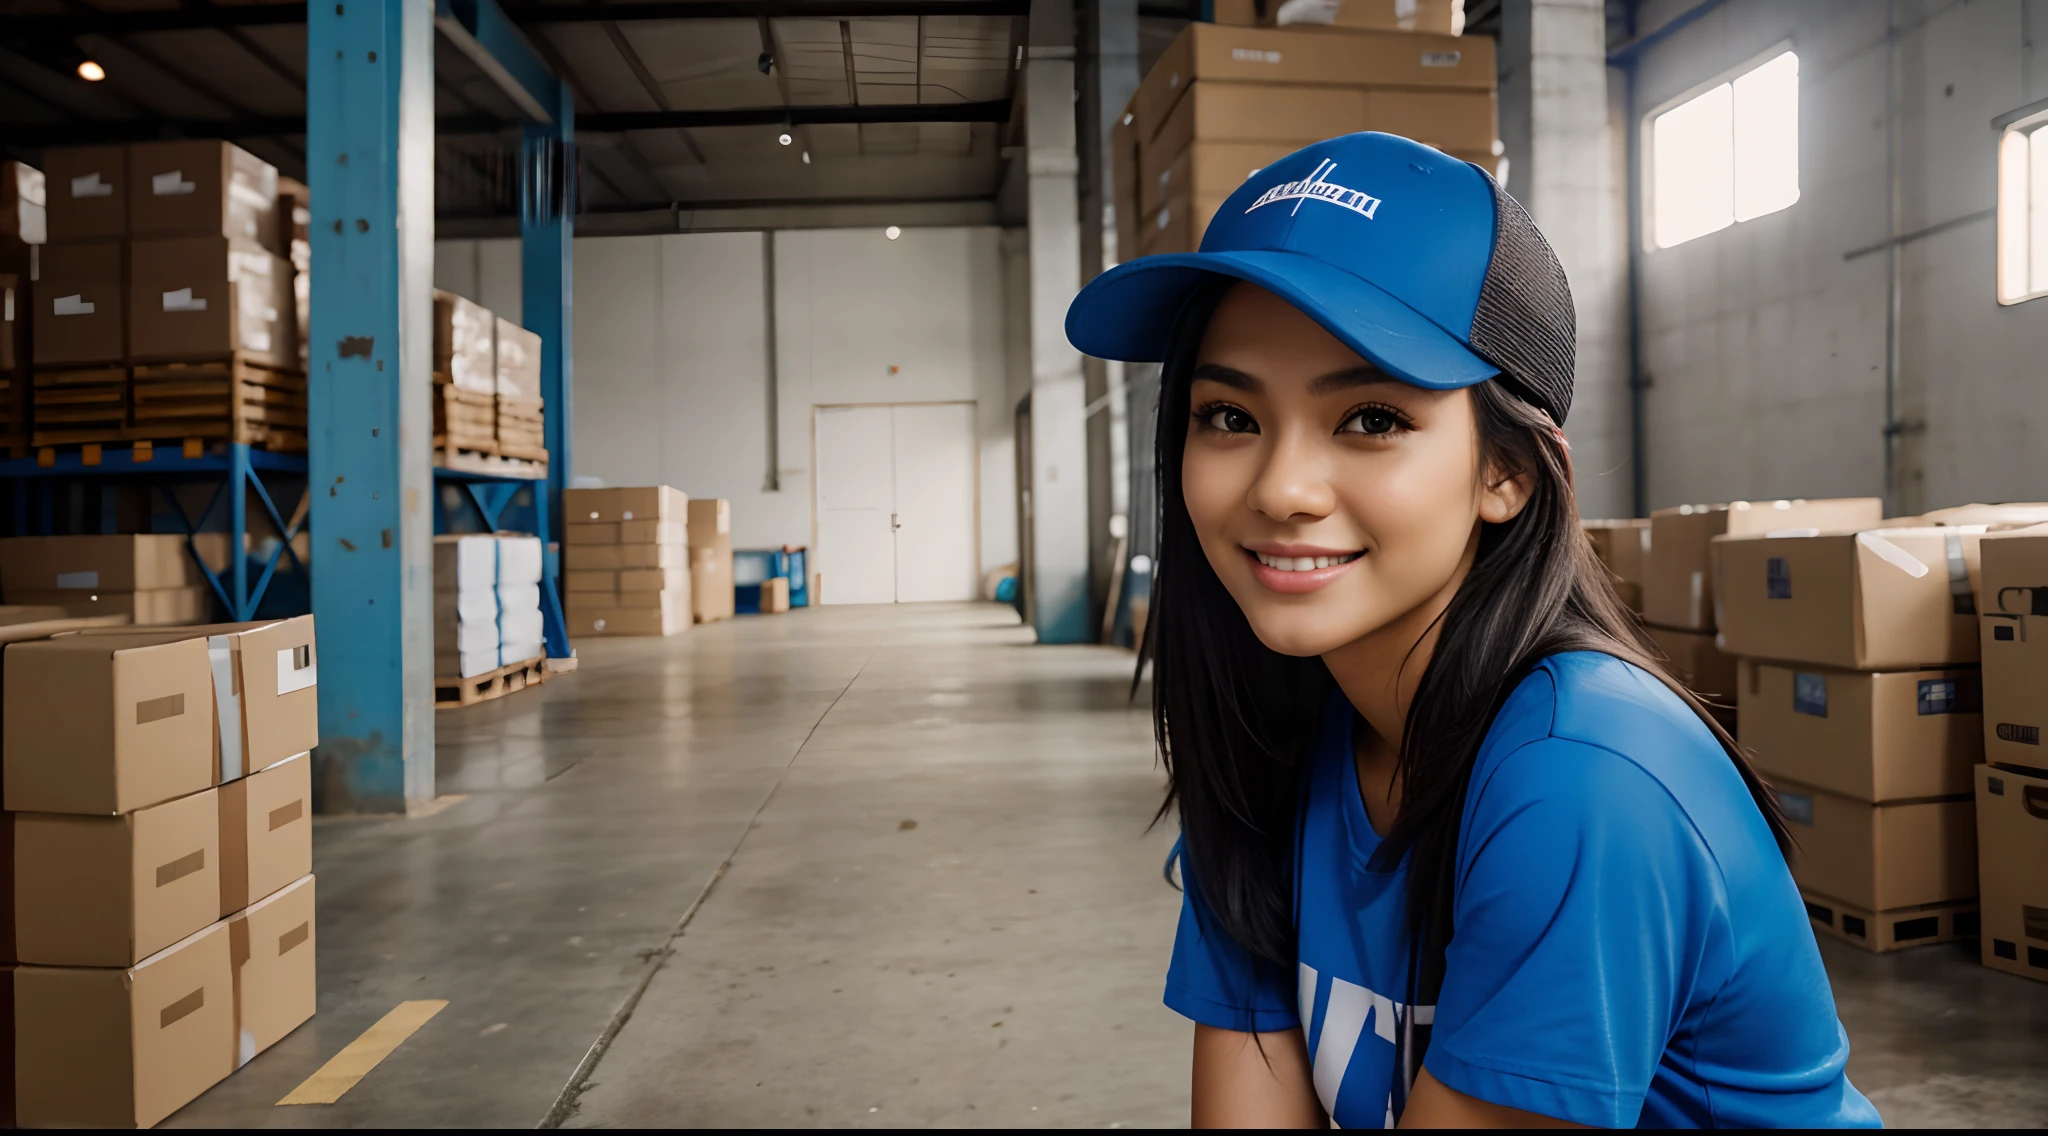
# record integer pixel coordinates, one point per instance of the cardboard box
(646, 580)
(518, 362)
(1205, 171)
(601, 581)
(202, 188)
(1438, 17)
(1123, 166)
(113, 890)
(106, 724)
(652, 502)
(155, 607)
(669, 614)
(120, 563)
(1879, 599)
(1179, 227)
(710, 526)
(294, 218)
(271, 948)
(775, 595)
(1881, 857)
(1697, 662)
(1881, 931)
(1624, 546)
(1678, 577)
(124, 1048)
(1294, 116)
(2012, 850)
(24, 201)
(16, 316)
(80, 304)
(1882, 737)
(2013, 639)
(266, 695)
(266, 832)
(614, 557)
(465, 344)
(711, 595)
(193, 298)
(86, 192)
(1286, 56)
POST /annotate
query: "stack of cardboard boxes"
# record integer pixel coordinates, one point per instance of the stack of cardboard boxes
(166, 257)
(1225, 101)
(2012, 786)
(23, 229)
(151, 578)
(1861, 702)
(487, 400)
(1624, 547)
(159, 796)
(711, 580)
(1678, 579)
(626, 560)
(487, 611)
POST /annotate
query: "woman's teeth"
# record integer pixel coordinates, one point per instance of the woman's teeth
(1304, 563)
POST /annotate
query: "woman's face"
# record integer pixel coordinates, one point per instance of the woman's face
(1332, 500)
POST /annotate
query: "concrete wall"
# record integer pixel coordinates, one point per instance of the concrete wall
(1766, 342)
(672, 356)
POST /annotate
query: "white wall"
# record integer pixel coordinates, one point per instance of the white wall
(1766, 345)
(671, 357)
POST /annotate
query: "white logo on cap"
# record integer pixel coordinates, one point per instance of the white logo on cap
(1315, 188)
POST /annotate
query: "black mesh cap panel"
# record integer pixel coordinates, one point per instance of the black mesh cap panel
(1524, 323)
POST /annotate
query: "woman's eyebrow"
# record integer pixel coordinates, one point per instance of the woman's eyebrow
(1229, 377)
(1365, 374)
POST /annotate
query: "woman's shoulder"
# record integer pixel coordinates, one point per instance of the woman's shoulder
(1593, 734)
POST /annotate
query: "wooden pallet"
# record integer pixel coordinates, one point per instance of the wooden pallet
(522, 429)
(466, 459)
(232, 400)
(73, 405)
(468, 419)
(452, 693)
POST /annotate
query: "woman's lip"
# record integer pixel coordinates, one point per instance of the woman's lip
(1299, 550)
(1298, 583)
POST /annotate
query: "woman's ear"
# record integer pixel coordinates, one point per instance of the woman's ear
(1502, 494)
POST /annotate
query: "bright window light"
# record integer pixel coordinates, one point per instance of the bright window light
(2023, 211)
(1726, 155)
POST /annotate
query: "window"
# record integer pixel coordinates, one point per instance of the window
(2023, 209)
(1727, 154)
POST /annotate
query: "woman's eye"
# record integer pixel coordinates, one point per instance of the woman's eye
(1231, 420)
(1371, 421)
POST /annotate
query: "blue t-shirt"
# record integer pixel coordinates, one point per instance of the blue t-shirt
(1629, 948)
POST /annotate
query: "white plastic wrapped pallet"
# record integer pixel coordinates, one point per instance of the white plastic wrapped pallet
(466, 640)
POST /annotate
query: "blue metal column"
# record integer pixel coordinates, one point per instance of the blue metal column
(547, 190)
(370, 165)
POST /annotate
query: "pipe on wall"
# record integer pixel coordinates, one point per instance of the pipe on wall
(773, 481)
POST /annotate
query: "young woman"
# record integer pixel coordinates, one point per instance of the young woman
(1456, 848)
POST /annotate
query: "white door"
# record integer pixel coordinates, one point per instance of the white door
(896, 490)
(856, 495)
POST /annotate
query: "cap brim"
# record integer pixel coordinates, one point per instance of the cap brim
(1128, 313)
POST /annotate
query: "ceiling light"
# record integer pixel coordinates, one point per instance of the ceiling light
(766, 63)
(892, 232)
(807, 157)
(784, 139)
(91, 72)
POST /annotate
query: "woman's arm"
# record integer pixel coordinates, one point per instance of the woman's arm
(1236, 1085)
(1432, 1104)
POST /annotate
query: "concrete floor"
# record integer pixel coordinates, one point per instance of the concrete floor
(854, 866)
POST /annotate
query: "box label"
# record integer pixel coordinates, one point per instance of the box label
(1441, 58)
(2021, 735)
(1810, 694)
(1778, 578)
(84, 581)
(1798, 807)
(72, 305)
(90, 185)
(296, 669)
(1950, 696)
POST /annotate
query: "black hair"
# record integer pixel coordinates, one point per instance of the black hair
(1235, 720)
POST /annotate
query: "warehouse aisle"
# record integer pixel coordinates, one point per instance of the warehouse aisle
(934, 827)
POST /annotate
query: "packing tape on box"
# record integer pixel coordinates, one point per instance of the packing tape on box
(227, 706)
(1892, 554)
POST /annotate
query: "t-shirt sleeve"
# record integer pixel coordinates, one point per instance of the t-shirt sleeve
(1584, 905)
(1215, 982)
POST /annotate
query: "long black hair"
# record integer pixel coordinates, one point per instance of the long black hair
(1235, 720)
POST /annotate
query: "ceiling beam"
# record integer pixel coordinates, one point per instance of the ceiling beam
(612, 122)
(479, 29)
(531, 13)
(70, 25)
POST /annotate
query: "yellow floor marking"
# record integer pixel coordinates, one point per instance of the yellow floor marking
(358, 1057)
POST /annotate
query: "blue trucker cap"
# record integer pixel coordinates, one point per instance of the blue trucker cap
(1419, 262)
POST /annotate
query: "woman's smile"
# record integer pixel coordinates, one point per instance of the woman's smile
(1297, 569)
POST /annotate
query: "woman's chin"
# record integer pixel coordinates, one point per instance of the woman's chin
(1298, 633)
